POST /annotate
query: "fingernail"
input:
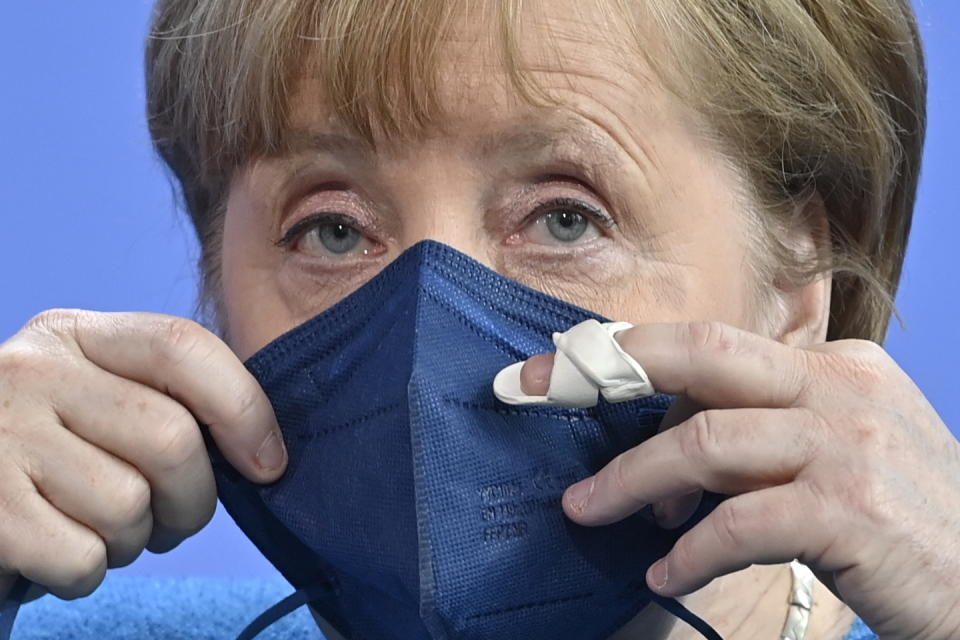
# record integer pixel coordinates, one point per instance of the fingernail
(579, 494)
(271, 454)
(657, 576)
(535, 375)
(541, 372)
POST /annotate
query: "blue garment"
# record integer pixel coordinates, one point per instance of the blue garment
(138, 608)
(135, 608)
(861, 631)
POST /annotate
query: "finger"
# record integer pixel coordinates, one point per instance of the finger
(153, 433)
(770, 526)
(672, 512)
(535, 375)
(93, 488)
(46, 546)
(718, 365)
(726, 451)
(713, 364)
(180, 358)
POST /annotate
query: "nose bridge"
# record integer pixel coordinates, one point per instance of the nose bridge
(452, 221)
(441, 202)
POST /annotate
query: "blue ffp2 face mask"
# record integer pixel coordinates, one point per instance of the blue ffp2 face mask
(415, 504)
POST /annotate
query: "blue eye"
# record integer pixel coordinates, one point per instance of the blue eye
(330, 235)
(565, 222)
(567, 226)
(336, 237)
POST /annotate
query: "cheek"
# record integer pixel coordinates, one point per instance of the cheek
(255, 311)
(701, 272)
(664, 293)
(705, 267)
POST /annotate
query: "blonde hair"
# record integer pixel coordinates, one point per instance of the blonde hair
(805, 97)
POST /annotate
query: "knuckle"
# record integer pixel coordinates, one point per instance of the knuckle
(176, 339)
(700, 440)
(14, 498)
(854, 494)
(41, 353)
(866, 378)
(864, 365)
(20, 363)
(869, 434)
(619, 472)
(728, 523)
(799, 382)
(822, 499)
(813, 434)
(683, 556)
(865, 495)
(194, 512)
(202, 514)
(864, 349)
(711, 336)
(174, 439)
(13, 551)
(248, 399)
(129, 502)
(83, 572)
(56, 321)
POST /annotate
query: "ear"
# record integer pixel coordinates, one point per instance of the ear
(806, 306)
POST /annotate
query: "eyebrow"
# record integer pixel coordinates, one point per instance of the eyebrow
(528, 139)
(532, 139)
(300, 141)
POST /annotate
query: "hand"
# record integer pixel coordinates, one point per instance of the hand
(101, 455)
(830, 453)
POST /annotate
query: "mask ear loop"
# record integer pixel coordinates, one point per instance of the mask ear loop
(678, 610)
(11, 605)
(285, 607)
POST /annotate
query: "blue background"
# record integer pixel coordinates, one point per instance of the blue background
(88, 217)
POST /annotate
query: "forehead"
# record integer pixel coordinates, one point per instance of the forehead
(481, 67)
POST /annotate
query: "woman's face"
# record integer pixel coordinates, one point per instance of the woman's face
(612, 200)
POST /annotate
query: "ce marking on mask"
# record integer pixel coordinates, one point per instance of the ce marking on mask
(507, 508)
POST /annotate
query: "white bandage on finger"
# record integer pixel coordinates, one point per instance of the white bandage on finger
(588, 362)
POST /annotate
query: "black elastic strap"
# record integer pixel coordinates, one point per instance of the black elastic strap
(673, 606)
(284, 608)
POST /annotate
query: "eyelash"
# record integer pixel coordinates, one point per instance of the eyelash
(295, 232)
(595, 214)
